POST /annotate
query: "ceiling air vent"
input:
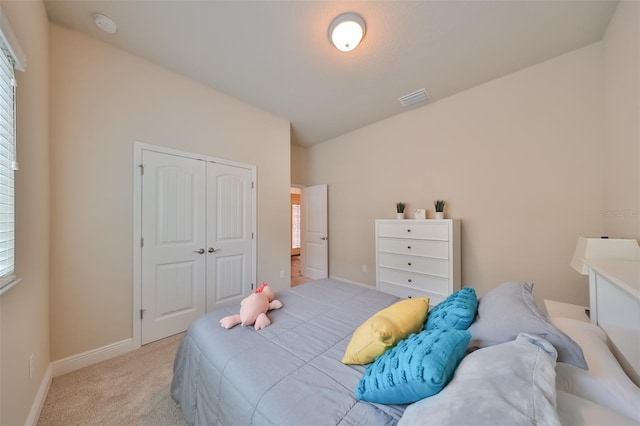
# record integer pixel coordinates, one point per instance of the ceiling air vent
(414, 98)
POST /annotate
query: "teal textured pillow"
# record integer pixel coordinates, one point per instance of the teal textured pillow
(417, 367)
(456, 311)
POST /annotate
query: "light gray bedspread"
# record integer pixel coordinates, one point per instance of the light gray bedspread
(289, 373)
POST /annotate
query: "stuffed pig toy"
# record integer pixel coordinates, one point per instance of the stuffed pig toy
(253, 309)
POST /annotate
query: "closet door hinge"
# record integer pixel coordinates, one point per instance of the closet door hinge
(252, 235)
(252, 185)
(141, 242)
(141, 166)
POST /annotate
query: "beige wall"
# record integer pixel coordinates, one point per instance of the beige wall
(621, 47)
(298, 165)
(102, 100)
(24, 319)
(517, 159)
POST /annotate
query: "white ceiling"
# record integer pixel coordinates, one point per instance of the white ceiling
(277, 55)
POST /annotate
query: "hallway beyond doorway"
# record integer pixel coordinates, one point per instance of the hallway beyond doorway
(296, 272)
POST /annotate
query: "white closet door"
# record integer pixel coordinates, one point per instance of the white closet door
(229, 234)
(174, 248)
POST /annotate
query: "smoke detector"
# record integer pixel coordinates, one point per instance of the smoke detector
(105, 23)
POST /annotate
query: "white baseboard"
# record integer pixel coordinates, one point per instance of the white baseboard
(372, 287)
(85, 359)
(73, 363)
(41, 396)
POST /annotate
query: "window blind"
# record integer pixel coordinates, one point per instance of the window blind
(8, 165)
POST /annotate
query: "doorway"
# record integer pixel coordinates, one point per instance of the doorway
(296, 229)
(309, 234)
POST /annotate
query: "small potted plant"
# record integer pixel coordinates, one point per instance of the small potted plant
(400, 210)
(439, 204)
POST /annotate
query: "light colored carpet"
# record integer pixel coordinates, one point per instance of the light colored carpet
(132, 389)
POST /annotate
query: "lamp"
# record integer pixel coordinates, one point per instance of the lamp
(603, 248)
(346, 31)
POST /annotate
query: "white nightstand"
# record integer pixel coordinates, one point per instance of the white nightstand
(566, 310)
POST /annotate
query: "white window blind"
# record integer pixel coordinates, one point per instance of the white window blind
(8, 165)
(295, 226)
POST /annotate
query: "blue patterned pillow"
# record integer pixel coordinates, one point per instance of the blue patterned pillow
(417, 367)
(456, 311)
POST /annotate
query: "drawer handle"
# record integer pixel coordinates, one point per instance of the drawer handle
(409, 263)
(408, 230)
(409, 247)
(409, 280)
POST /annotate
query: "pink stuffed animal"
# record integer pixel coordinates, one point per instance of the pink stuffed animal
(253, 309)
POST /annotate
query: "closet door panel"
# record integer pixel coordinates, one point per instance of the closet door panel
(173, 260)
(229, 234)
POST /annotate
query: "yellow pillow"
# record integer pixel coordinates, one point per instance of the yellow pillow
(386, 328)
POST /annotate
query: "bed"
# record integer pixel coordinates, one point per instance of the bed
(291, 373)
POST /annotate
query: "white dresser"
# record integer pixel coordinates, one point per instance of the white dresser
(418, 258)
(614, 299)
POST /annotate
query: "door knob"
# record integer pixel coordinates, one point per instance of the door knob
(211, 249)
(199, 251)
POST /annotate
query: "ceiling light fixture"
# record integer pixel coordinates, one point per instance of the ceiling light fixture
(105, 23)
(346, 31)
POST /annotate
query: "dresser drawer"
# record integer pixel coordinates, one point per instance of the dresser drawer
(408, 292)
(427, 248)
(422, 265)
(420, 230)
(418, 281)
(418, 257)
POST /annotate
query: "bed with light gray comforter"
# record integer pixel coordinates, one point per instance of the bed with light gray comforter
(289, 373)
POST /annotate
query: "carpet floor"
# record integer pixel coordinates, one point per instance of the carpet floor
(131, 389)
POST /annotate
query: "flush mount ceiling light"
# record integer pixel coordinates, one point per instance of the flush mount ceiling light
(105, 23)
(346, 31)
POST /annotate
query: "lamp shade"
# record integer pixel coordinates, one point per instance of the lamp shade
(603, 248)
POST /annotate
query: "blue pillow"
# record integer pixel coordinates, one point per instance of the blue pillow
(456, 311)
(417, 367)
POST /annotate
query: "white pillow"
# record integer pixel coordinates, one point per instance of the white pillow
(605, 383)
(574, 410)
(510, 309)
(508, 384)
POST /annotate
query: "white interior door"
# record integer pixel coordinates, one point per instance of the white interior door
(173, 252)
(229, 234)
(314, 250)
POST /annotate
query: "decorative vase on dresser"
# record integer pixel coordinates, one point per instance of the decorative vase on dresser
(418, 258)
